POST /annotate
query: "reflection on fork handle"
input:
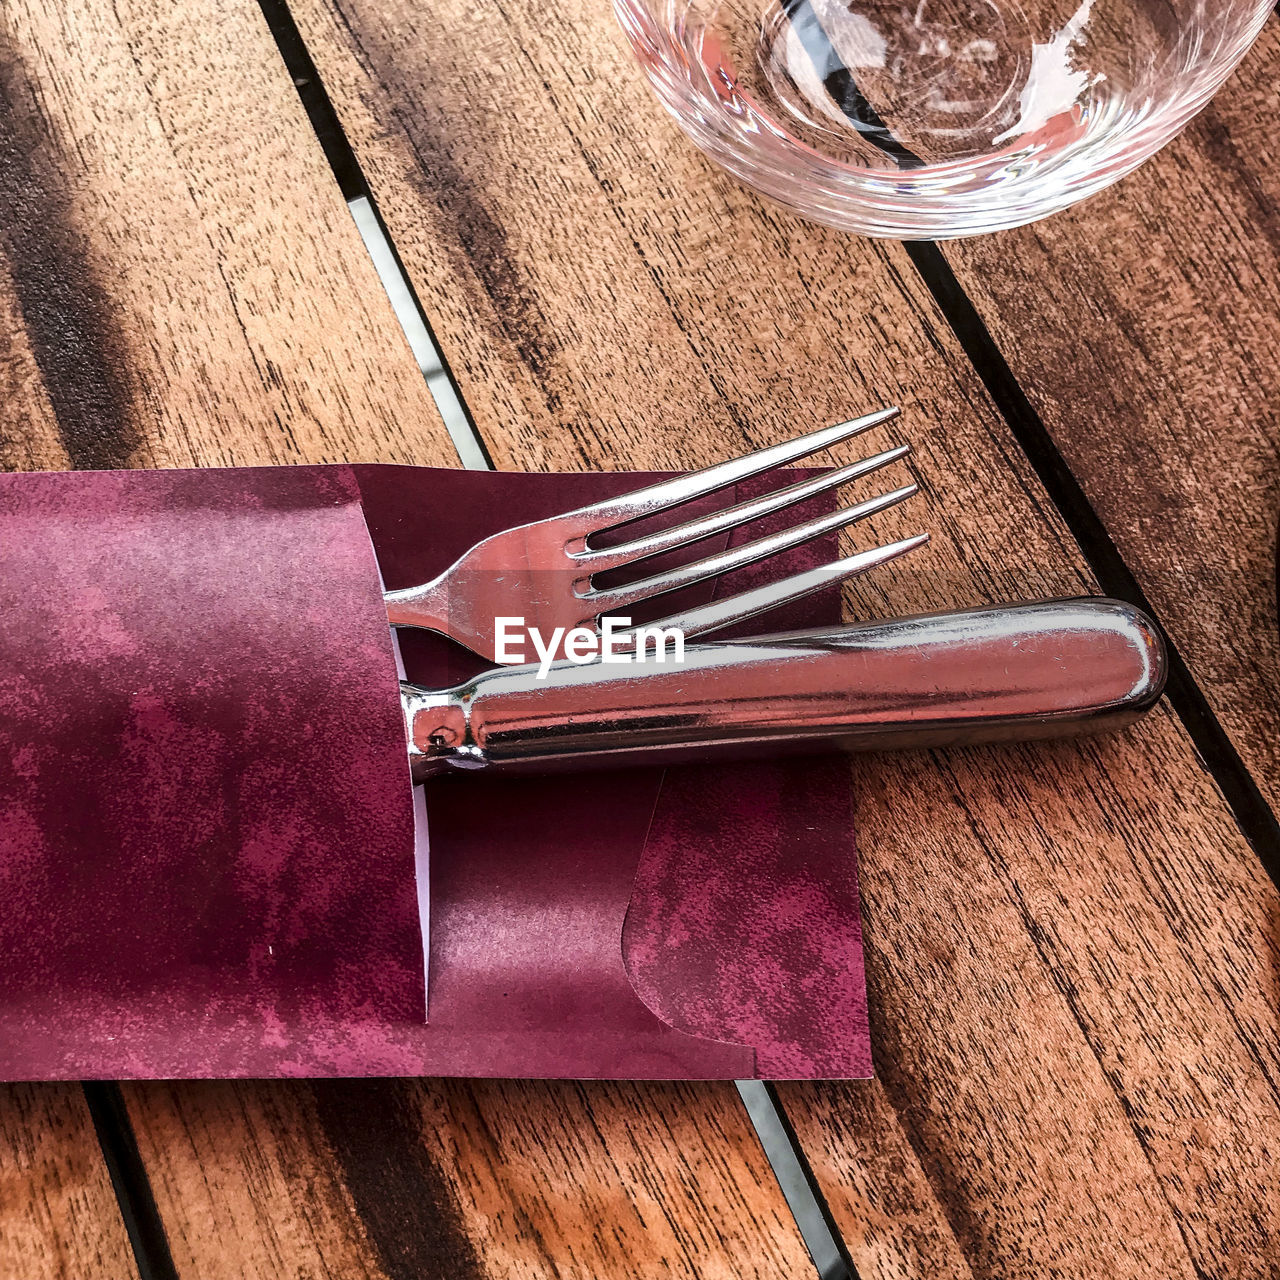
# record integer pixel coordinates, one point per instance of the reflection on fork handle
(1001, 673)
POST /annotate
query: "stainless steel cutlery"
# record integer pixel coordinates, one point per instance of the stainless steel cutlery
(978, 675)
(999, 673)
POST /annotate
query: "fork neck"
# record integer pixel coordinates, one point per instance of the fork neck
(423, 606)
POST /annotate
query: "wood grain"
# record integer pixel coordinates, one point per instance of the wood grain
(464, 1179)
(182, 286)
(1145, 325)
(1072, 952)
(58, 1213)
(404, 1179)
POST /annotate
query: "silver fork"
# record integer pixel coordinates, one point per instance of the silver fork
(545, 572)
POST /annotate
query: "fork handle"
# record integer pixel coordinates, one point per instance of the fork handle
(1001, 673)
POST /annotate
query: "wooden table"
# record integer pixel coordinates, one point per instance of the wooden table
(1072, 950)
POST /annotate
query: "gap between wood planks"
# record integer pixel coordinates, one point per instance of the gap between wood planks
(128, 1174)
(1253, 815)
(1250, 809)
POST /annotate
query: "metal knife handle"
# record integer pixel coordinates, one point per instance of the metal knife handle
(1002, 673)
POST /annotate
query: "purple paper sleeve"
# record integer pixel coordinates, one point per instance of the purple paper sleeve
(205, 824)
(206, 830)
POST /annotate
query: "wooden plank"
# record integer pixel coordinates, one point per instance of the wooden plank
(185, 287)
(58, 1213)
(467, 1179)
(1145, 325)
(464, 1179)
(184, 291)
(1070, 947)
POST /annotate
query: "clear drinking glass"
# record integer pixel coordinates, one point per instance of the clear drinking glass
(927, 119)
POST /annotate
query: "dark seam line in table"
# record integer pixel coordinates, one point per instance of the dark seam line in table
(841, 87)
(1252, 813)
(835, 1263)
(355, 186)
(349, 174)
(129, 1180)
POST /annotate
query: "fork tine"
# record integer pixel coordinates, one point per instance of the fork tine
(670, 493)
(736, 557)
(746, 604)
(742, 513)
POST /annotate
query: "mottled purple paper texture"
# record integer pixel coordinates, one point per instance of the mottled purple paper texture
(206, 830)
(205, 821)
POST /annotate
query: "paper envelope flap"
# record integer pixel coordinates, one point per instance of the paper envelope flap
(207, 825)
(744, 921)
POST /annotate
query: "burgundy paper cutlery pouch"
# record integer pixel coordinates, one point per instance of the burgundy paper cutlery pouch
(213, 862)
